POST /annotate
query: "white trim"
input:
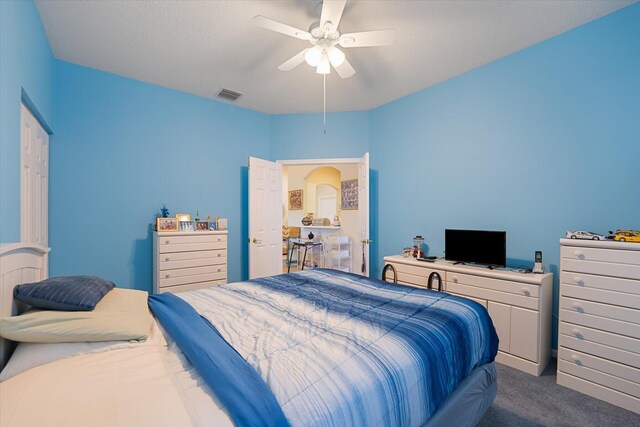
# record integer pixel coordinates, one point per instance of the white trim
(341, 161)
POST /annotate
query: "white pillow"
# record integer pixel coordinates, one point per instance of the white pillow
(29, 355)
(121, 315)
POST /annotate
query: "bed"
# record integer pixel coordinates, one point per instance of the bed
(329, 348)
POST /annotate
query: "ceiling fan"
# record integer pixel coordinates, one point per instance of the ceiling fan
(324, 36)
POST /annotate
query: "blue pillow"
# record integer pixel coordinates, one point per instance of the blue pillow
(71, 293)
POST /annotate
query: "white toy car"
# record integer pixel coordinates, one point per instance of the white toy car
(587, 235)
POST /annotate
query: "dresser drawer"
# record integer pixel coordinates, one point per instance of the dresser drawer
(409, 279)
(191, 286)
(216, 258)
(191, 278)
(628, 271)
(601, 310)
(599, 377)
(491, 295)
(599, 364)
(605, 297)
(605, 255)
(583, 333)
(495, 284)
(196, 238)
(192, 271)
(615, 326)
(416, 270)
(607, 283)
(192, 246)
(600, 350)
(182, 256)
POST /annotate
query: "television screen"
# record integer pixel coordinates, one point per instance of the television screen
(476, 246)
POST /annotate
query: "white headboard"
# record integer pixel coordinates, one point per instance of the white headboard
(19, 263)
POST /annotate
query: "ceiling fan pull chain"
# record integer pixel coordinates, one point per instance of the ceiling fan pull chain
(324, 102)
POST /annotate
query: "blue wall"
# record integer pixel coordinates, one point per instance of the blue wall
(124, 148)
(26, 64)
(301, 136)
(537, 143)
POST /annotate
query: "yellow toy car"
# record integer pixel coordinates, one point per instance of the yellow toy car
(626, 235)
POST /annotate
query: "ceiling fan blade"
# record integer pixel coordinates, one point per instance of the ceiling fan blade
(368, 38)
(331, 12)
(345, 70)
(292, 63)
(279, 27)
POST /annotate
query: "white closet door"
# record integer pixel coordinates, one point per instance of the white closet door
(34, 180)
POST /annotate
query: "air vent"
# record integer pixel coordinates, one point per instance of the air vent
(229, 95)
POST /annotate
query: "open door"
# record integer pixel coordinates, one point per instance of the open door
(265, 218)
(363, 213)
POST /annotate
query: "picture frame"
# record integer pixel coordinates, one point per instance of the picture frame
(183, 217)
(166, 224)
(202, 226)
(349, 194)
(295, 200)
(187, 225)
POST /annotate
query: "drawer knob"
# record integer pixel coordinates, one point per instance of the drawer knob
(577, 307)
(219, 270)
(577, 333)
(166, 259)
(219, 255)
(219, 239)
(578, 280)
(166, 276)
(526, 291)
(166, 241)
(576, 359)
(455, 279)
(579, 254)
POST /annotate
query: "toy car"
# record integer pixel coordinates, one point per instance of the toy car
(584, 235)
(625, 235)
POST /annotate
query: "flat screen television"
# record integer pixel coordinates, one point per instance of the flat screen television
(476, 246)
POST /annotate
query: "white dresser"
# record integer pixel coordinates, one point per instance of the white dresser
(599, 333)
(185, 261)
(519, 304)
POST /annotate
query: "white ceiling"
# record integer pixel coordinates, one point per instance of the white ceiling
(202, 46)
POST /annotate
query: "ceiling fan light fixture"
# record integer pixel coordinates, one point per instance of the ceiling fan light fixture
(313, 56)
(323, 66)
(336, 56)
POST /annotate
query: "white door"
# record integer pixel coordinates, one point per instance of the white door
(265, 218)
(363, 214)
(34, 180)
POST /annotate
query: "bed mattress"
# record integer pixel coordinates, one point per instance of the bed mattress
(335, 349)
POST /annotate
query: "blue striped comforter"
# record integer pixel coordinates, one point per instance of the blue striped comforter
(338, 349)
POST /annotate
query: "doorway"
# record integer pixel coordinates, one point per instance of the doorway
(320, 194)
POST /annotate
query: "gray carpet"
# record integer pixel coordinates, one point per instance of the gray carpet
(525, 400)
